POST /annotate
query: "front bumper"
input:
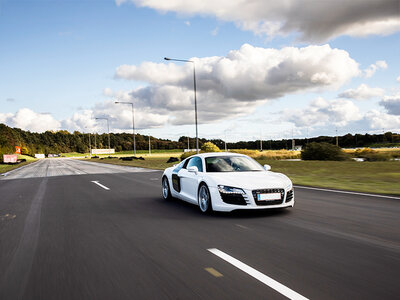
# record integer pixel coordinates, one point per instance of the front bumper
(287, 200)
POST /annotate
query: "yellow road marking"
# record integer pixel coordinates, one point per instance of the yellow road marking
(213, 272)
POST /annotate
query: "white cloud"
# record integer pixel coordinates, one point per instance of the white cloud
(321, 112)
(187, 23)
(312, 20)
(119, 117)
(362, 92)
(27, 119)
(380, 64)
(235, 84)
(378, 120)
(214, 32)
(398, 79)
(107, 92)
(391, 104)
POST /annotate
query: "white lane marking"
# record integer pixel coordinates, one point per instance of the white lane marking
(241, 226)
(153, 179)
(280, 288)
(346, 192)
(99, 184)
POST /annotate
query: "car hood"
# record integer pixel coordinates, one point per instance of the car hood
(251, 180)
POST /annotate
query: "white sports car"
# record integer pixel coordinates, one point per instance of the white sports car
(226, 182)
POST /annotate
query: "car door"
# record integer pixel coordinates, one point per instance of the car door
(190, 180)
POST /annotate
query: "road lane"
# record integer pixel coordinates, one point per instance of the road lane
(127, 242)
(67, 166)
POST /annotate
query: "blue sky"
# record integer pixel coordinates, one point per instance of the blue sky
(59, 62)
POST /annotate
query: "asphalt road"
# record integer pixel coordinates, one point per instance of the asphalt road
(68, 237)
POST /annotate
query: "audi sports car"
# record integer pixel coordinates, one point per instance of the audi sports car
(227, 182)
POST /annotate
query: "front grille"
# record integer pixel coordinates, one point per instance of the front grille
(268, 191)
(289, 196)
(236, 199)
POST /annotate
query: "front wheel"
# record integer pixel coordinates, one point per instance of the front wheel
(166, 193)
(204, 199)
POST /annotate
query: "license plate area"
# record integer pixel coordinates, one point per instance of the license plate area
(269, 196)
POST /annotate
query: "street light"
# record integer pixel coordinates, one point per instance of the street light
(133, 124)
(108, 127)
(90, 145)
(195, 99)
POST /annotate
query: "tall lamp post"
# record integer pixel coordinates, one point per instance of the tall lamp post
(108, 127)
(133, 124)
(195, 99)
(90, 146)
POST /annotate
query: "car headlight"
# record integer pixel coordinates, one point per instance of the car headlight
(230, 190)
(289, 186)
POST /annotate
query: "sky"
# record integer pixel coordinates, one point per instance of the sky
(263, 69)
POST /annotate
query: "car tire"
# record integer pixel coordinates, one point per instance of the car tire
(166, 192)
(204, 199)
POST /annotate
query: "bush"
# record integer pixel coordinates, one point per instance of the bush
(323, 151)
(372, 155)
(377, 157)
(25, 151)
(187, 154)
(210, 147)
(361, 153)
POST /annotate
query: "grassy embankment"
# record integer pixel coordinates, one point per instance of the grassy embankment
(369, 177)
(6, 167)
(123, 153)
(154, 161)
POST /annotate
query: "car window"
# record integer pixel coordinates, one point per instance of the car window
(178, 167)
(196, 161)
(232, 164)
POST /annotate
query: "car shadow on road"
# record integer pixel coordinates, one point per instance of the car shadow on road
(248, 214)
(180, 206)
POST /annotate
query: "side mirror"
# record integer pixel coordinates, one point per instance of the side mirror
(267, 167)
(193, 169)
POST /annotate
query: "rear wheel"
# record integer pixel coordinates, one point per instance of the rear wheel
(204, 199)
(166, 193)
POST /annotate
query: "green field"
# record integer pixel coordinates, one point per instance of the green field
(370, 177)
(154, 161)
(5, 167)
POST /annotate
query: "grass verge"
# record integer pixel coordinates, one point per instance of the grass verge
(368, 177)
(6, 168)
(127, 153)
(156, 161)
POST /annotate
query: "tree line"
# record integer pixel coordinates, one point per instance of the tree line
(387, 139)
(63, 141)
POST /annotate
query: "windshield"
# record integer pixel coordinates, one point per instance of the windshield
(232, 164)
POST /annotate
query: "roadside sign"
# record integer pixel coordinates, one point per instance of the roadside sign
(17, 150)
(103, 151)
(9, 158)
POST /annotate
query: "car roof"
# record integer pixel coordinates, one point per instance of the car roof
(216, 154)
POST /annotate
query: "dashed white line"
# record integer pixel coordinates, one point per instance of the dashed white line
(99, 184)
(280, 288)
(242, 226)
(345, 192)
